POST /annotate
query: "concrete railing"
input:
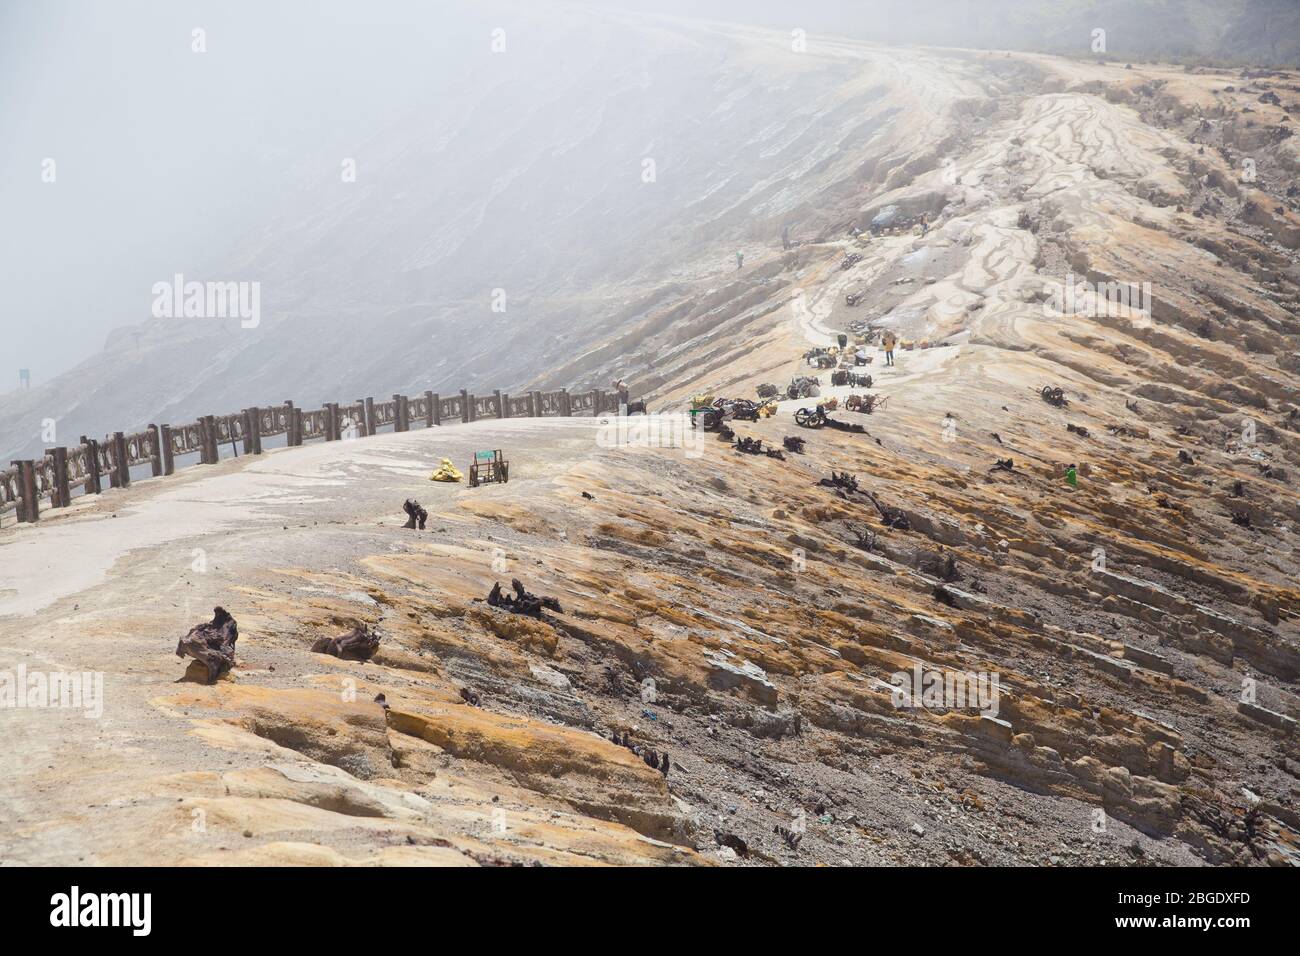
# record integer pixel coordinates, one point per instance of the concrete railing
(29, 485)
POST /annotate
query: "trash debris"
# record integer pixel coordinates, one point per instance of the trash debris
(1004, 464)
(212, 644)
(415, 515)
(358, 644)
(382, 701)
(1184, 457)
(842, 481)
(521, 602)
(891, 517)
(793, 444)
(1078, 430)
(768, 390)
(589, 496)
(469, 696)
(1054, 396)
(754, 446)
(446, 472)
(865, 537)
(1241, 518)
(792, 839)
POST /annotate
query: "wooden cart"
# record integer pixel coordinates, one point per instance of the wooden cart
(488, 466)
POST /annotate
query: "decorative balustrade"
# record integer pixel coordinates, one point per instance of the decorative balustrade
(26, 484)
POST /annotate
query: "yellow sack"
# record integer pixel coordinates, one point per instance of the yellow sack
(446, 472)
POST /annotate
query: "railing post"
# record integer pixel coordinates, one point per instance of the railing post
(465, 400)
(435, 402)
(566, 407)
(93, 483)
(535, 404)
(598, 401)
(371, 424)
(399, 413)
(120, 460)
(429, 399)
(292, 424)
(208, 440)
(62, 494)
(29, 510)
(214, 440)
(503, 403)
(168, 463)
(155, 451)
(255, 428)
(246, 416)
(331, 421)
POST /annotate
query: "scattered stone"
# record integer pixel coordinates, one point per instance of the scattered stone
(731, 841)
(1266, 716)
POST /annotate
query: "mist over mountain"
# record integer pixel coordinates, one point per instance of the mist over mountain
(504, 207)
(490, 232)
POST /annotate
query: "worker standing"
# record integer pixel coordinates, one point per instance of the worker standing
(740, 259)
(887, 342)
(1072, 476)
(843, 340)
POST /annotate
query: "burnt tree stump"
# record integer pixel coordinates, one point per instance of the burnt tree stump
(212, 644)
(358, 644)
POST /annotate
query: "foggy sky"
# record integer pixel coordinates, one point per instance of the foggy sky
(165, 158)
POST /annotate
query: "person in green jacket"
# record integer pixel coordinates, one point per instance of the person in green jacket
(1072, 477)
